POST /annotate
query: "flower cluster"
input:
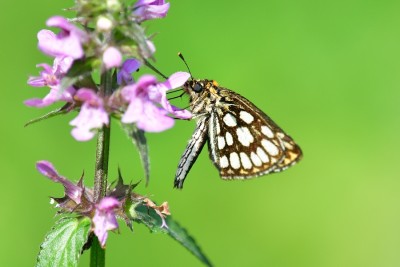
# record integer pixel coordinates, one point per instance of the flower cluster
(77, 51)
(95, 56)
(120, 202)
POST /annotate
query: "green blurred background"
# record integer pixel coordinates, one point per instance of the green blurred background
(326, 71)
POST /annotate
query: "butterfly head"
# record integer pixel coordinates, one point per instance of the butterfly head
(197, 87)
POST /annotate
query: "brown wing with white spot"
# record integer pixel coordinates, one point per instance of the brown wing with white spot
(293, 152)
(244, 142)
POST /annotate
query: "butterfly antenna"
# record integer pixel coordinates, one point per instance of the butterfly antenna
(187, 66)
(154, 69)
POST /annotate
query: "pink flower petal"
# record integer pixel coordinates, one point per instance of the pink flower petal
(112, 58)
(47, 169)
(141, 87)
(37, 81)
(62, 64)
(73, 191)
(66, 43)
(104, 219)
(88, 95)
(150, 9)
(133, 112)
(63, 24)
(91, 116)
(177, 80)
(34, 102)
(52, 97)
(154, 119)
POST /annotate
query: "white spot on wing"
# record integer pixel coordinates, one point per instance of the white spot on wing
(267, 131)
(217, 126)
(223, 162)
(229, 120)
(234, 160)
(245, 161)
(263, 156)
(246, 117)
(212, 136)
(255, 159)
(244, 136)
(229, 139)
(270, 147)
(221, 142)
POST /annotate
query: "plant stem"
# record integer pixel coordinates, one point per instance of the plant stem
(97, 253)
(103, 144)
(101, 171)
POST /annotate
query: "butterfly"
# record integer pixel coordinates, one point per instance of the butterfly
(243, 142)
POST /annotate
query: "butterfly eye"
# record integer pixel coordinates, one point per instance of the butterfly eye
(197, 87)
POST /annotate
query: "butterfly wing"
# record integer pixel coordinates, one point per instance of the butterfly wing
(192, 151)
(245, 143)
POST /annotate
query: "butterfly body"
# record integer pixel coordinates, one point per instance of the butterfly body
(243, 141)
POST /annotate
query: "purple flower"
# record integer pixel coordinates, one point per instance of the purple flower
(150, 9)
(68, 42)
(176, 80)
(104, 218)
(47, 77)
(148, 104)
(124, 76)
(53, 96)
(51, 77)
(91, 116)
(112, 58)
(73, 191)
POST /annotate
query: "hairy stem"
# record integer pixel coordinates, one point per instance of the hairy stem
(101, 171)
(97, 253)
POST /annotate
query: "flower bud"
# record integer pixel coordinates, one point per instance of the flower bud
(104, 24)
(113, 5)
(112, 58)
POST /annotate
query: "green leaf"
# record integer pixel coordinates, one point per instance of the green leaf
(63, 244)
(136, 33)
(151, 219)
(124, 40)
(64, 109)
(80, 74)
(180, 234)
(114, 80)
(139, 140)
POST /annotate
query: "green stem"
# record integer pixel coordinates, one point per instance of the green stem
(101, 171)
(97, 253)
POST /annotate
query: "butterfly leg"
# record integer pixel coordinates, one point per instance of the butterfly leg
(192, 151)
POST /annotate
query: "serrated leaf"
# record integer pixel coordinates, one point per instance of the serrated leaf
(153, 221)
(63, 244)
(64, 109)
(180, 234)
(139, 140)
